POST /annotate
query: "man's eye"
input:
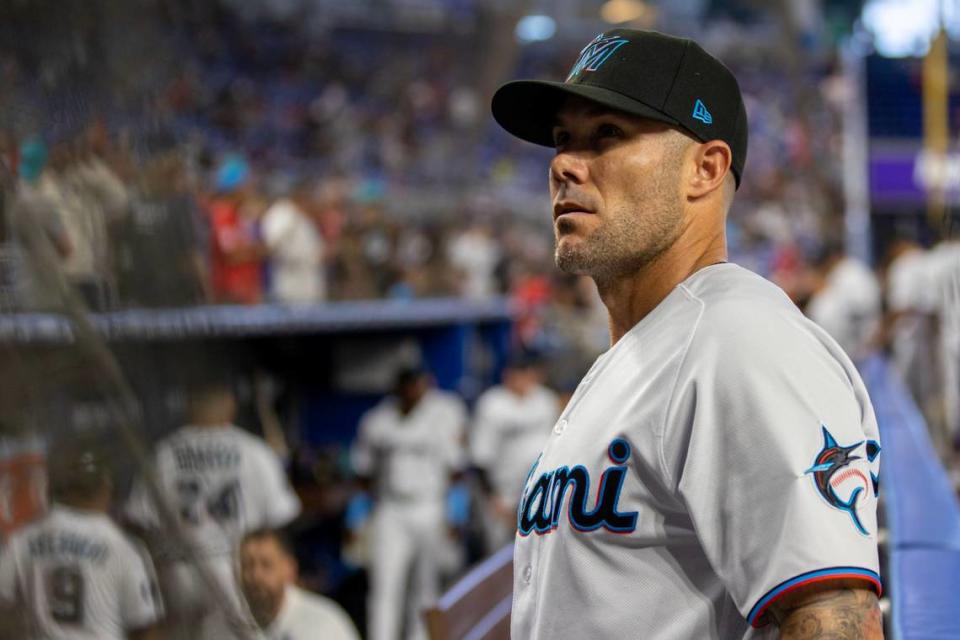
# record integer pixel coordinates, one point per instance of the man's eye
(607, 130)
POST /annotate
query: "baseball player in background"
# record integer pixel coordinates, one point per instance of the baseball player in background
(714, 474)
(408, 447)
(846, 301)
(282, 610)
(511, 421)
(73, 575)
(222, 482)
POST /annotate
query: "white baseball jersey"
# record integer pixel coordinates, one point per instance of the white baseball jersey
(296, 248)
(720, 454)
(411, 456)
(944, 270)
(848, 307)
(508, 434)
(910, 293)
(75, 576)
(223, 482)
(303, 616)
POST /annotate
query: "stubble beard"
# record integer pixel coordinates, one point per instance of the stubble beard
(627, 240)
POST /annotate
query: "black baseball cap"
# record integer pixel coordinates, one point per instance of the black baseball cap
(643, 73)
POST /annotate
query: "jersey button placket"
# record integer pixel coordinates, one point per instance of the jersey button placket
(560, 427)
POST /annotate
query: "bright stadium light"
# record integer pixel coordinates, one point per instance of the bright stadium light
(535, 28)
(904, 27)
(620, 11)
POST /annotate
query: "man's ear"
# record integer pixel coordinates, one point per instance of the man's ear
(712, 163)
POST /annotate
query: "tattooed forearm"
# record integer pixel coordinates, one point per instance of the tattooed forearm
(836, 614)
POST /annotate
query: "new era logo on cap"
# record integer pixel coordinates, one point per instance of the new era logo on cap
(700, 113)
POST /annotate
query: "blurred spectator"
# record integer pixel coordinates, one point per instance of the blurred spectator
(84, 195)
(295, 246)
(74, 574)
(159, 256)
(511, 422)
(223, 482)
(407, 447)
(39, 240)
(475, 253)
(237, 253)
(574, 331)
(281, 609)
(846, 300)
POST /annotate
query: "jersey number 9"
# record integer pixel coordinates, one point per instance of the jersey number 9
(65, 594)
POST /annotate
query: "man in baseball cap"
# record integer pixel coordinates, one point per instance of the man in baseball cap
(715, 470)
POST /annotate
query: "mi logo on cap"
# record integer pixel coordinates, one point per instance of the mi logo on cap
(596, 53)
(700, 113)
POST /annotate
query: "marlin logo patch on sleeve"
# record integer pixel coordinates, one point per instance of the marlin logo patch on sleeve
(836, 481)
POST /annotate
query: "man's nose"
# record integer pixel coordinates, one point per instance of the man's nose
(568, 166)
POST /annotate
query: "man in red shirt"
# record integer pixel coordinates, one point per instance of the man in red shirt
(236, 252)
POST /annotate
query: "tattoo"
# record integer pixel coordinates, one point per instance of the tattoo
(838, 614)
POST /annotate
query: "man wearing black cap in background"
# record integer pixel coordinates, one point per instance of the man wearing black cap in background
(714, 474)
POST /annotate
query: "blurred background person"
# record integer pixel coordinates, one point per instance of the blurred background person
(475, 254)
(845, 299)
(406, 451)
(37, 231)
(295, 247)
(222, 482)
(160, 255)
(90, 197)
(236, 248)
(511, 422)
(73, 574)
(282, 610)
(909, 323)
(944, 272)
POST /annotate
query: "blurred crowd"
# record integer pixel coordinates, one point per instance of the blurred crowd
(272, 165)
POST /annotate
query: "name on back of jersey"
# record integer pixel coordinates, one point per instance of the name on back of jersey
(65, 543)
(193, 458)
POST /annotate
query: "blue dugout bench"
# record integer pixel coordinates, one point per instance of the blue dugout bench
(922, 515)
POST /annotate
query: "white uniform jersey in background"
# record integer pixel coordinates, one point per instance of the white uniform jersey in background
(848, 307)
(721, 453)
(411, 457)
(223, 483)
(303, 616)
(944, 269)
(909, 291)
(296, 249)
(74, 576)
(508, 433)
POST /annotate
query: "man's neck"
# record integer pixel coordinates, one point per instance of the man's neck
(266, 618)
(629, 299)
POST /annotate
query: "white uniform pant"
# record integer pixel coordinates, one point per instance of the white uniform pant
(189, 601)
(405, 574)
